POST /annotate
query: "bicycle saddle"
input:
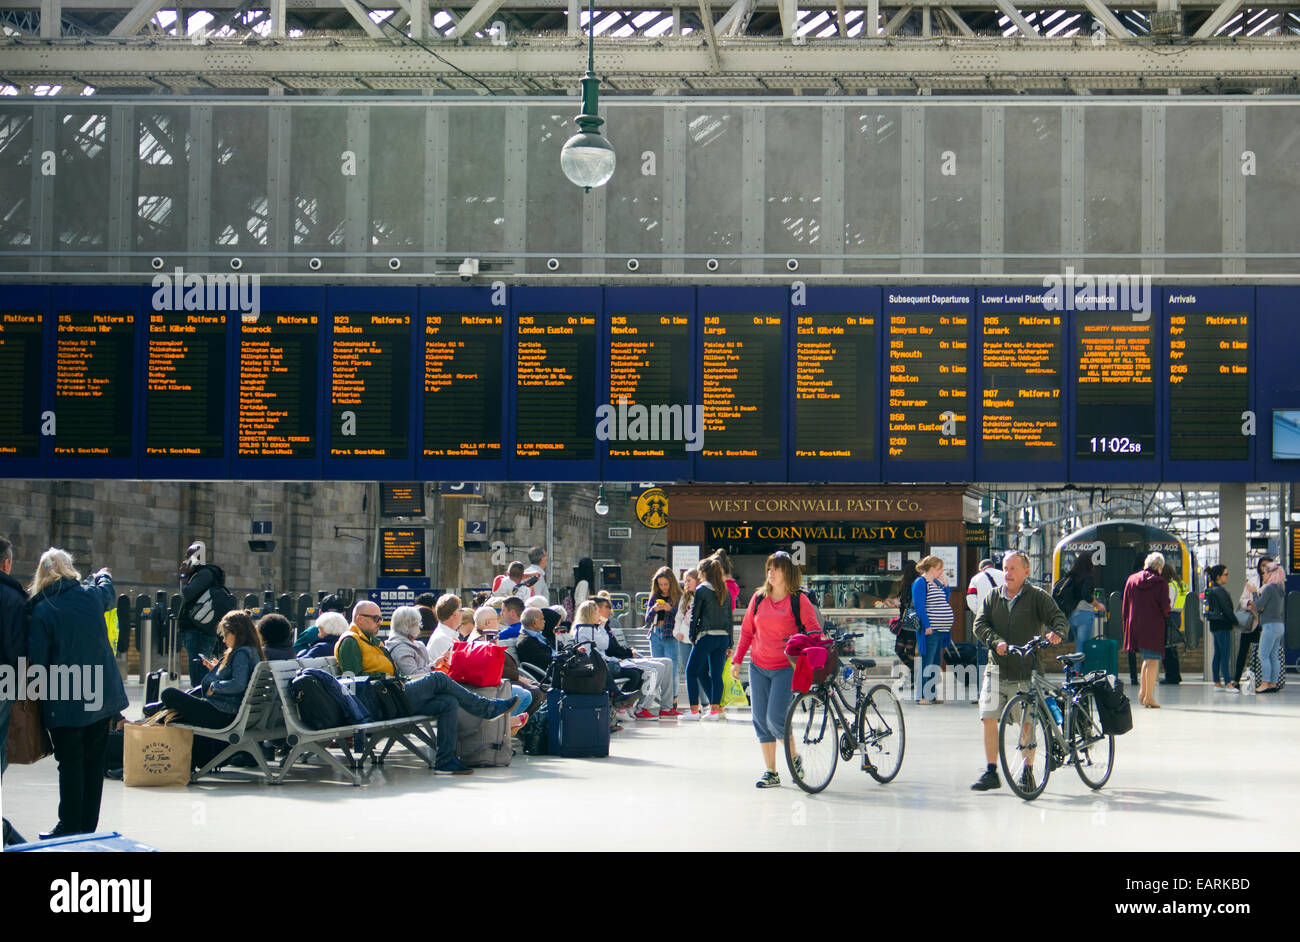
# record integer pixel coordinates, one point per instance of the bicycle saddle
(1070, 658)
(862, 663)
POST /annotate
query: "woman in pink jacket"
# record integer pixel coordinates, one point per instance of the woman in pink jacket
(769, 623)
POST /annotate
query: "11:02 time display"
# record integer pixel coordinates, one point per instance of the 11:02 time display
(1115, 446)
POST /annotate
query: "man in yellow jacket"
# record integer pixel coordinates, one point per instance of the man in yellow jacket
(360, 652)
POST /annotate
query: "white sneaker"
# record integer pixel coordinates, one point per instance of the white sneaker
(709, 717)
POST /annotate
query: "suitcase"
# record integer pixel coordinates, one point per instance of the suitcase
(578, 724)
(1101, 654)
(483, 743)
(168, 675)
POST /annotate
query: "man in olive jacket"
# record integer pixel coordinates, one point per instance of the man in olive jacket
(1012, 615)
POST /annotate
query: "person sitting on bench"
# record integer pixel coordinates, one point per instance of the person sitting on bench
(214, 703)
(330, 626)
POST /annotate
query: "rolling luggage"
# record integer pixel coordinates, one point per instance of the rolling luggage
(1101, 654)
(169, 674)
(481, 743)
(578, 724)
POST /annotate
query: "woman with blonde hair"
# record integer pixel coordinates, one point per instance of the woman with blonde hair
(68, 638)
(660, 624)
(930, 600)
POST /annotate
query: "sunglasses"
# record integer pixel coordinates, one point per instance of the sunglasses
(372, 617)
(781, 554)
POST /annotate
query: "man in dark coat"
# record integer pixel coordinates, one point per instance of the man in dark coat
(204, 600)
(13, 645)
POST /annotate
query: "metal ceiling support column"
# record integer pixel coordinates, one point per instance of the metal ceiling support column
(753, 188)
(44, 136)
(872, 28)
(1072, 189)
(1214, 22)
(677, 22)
(1234, 188)
(420, 24)
(789, 17)
(674, 189)
(514, 143)
(122, 149)
(137, 17)
(51, 19)
(706, 17)
(1102, 14)
(958, 22)
(1014, 15)
(280, 210)
(1153, 189)
(198, 229)
(992, 186)
(356, 191)
(436, 136)
(912, 203)
(898, 20)
(363, 19)
(833, 186)
(726, 25)
(477, 16)
(575, 19)
(925, 21)
(279, 13)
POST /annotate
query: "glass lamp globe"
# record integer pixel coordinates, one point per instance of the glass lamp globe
(587, 159)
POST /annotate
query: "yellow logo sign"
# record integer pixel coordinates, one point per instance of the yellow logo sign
(652, 508)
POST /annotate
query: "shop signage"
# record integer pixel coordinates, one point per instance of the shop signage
(722, 534)
(977, 534)
(811, 505)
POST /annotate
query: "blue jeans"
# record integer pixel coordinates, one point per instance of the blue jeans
(439, 696)
(5, 707)
(1270, 657)
(525, 699)
(1222, 648)
(704, 669)
(770, 694)
(197, 644)
(675, 651)
(927, 678)
(1082, 623)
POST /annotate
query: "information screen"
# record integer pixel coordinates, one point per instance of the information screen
(370, 391)
(93, 370)
(742, 390)
(649, 366)
(463, 384)
(277, 386)
(21, 380)
(555, 386)
(1295, 549)
(1209, 386)
(835, 386)
(1115, 393)
(401, 552)
(185, 381)
(928, 376)
(401, 500)
(1021, 358)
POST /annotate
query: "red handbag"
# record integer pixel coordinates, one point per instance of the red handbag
(476, 663)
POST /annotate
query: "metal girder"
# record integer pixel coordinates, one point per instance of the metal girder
(136, 17)
(706, 17)
(958, 22)
(478, 14)
(370, 26)
(898, 19)
(1103, 15)
(1013, 14)
(1221, 15)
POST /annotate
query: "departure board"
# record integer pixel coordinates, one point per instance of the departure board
(463, 382)
(276, 415)
(185, 381)
(835, 386)
(21, 379)
(928, 376)
(742, 391)
(1115, 393)
(401, 552)
(401, 500)
(94, 367)
(1209, 386)
(370, 392)
(1021, 359)
(649, 385)
(555, 386)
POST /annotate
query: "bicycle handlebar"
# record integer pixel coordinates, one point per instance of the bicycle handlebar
(1034, 643)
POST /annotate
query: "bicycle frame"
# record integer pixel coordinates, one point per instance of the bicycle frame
(1041, 688)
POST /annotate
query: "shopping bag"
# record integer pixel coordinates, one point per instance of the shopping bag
(110, 622)
(733, 694)
(156, 754)
(29, 741)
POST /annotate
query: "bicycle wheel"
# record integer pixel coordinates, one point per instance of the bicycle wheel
(1024, 747)
(812, 741)
(1092, 749)
(881, 734)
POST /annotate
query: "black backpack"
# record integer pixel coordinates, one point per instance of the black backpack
(580, 670)
(1063, 594)
(535, 737)
(384, 698)
(210, 607)
(317, 707)
(1113, 706)
(796, 607)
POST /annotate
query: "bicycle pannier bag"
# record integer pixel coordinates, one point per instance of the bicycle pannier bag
(1113, 706)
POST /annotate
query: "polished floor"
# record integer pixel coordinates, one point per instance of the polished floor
(1209, 771)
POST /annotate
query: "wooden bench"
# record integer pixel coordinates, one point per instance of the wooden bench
(304, 741)
(259, 718)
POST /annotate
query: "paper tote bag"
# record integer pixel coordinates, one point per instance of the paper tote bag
(28, 741)
(155, 754)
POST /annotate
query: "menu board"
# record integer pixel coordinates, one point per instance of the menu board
(370, 392)
(1209, 386)
(401, 552)
(22, 369)
(928, 376)
(742, 393)
(649, 367)
(555, 386)
(94, 366)
(185, 382)
(1115, 394)
(835, 399)
(1021, 359)
(401, 500)
(276, 415)
(463, 385)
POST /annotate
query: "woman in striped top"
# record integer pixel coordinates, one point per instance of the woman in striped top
(930, 599)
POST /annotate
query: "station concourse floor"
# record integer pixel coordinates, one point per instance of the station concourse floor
(1210, 771)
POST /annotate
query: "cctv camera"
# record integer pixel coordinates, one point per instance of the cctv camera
(711, 264)
(394, 263)
(314, 264)
(633, 264)
(236, 264)
(468, 269)
(553, 264)
(156, 263)
(792, 264)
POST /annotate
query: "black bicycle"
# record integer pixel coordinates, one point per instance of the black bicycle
(1034, 739)
(822, 727)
